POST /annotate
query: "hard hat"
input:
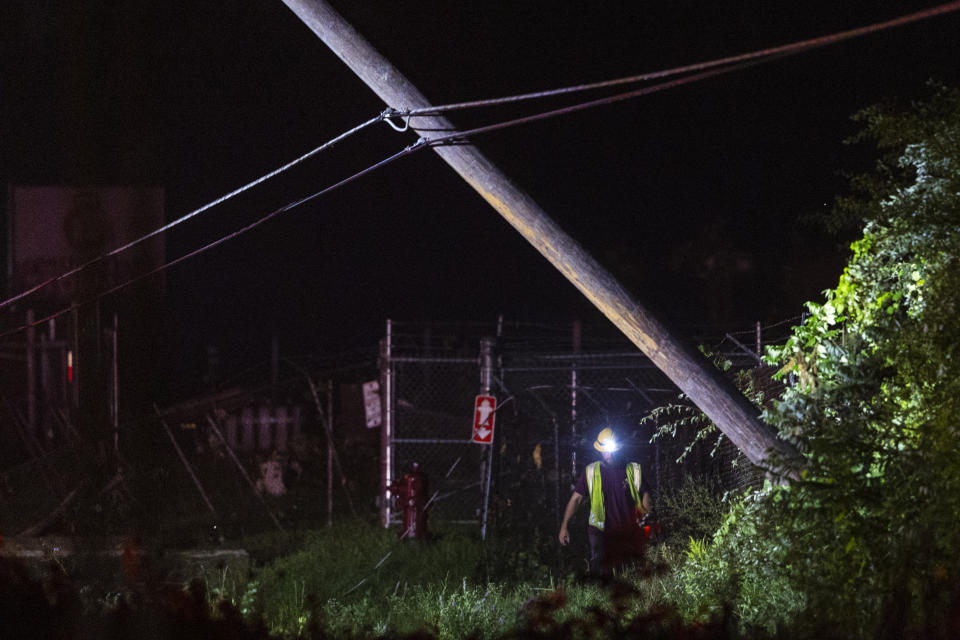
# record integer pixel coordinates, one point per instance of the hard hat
(606, 441)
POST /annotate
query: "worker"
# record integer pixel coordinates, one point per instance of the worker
(619, 500)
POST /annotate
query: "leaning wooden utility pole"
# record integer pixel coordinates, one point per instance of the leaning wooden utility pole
(717, 397)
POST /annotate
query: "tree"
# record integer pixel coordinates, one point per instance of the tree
(867, 542)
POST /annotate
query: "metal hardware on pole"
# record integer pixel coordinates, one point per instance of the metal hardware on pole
(696, 376)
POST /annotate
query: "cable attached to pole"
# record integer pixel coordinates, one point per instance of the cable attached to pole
(728, 64)
(711, 69)
(420, 144)
(192, 214)
(787, 49)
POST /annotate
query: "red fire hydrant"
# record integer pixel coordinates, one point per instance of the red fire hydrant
(411, 492)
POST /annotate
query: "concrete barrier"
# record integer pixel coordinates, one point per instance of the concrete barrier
(125, 564)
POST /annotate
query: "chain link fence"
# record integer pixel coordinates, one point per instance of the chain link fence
(554, 394)
(433, 401)
(556, 387)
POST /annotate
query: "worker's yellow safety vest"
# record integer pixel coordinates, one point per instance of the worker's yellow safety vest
(597, 512)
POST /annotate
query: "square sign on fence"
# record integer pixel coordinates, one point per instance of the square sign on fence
(371, 403)
(484, 413)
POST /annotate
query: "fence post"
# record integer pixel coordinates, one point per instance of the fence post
(115, 383)
(759, 340)
(386, 433)
(330, 452)
(76, 370)
(487, 347)
(31, 375)
(577, 342)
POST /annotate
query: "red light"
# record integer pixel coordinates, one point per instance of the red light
(69, 366)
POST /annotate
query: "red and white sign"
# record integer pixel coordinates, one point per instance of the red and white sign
(484, 413)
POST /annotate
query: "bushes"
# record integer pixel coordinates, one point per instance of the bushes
(740, 568)
(691, 512)
(865, 543)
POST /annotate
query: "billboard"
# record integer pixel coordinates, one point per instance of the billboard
(52, 229)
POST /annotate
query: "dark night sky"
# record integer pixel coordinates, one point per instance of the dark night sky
(200, 98)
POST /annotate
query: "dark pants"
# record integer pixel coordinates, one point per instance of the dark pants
(611, 550)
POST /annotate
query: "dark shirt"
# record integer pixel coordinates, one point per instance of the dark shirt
(620, 511)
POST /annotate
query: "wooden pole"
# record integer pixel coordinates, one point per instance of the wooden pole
(717, 397)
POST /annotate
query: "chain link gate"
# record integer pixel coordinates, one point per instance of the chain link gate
(553, 408)
(551, 404)
(427, 404)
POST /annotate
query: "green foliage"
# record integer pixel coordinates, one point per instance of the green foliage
(355, 561)
(875, 408)
(523, 544)
(740, 566)
(692, 511)
(683, 421)
(446, 610)
(520, 556)
(867, 539)
(332, 587)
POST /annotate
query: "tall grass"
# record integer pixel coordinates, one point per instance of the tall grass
(359, 580)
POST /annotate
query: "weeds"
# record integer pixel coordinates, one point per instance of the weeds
(361, 581)
(694, 510)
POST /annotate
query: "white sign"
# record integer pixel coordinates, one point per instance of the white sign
(371, 403)
(484, 413)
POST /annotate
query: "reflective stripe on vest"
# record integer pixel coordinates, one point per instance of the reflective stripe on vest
(597, 512)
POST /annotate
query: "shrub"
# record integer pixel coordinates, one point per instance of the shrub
(692, 511)
(865, 542)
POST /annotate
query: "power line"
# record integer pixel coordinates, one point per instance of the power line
(461, 137)
(194, 213)
(256, 223)
(713, 68)
(453, 138)
(726, 65)
(787, 49)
